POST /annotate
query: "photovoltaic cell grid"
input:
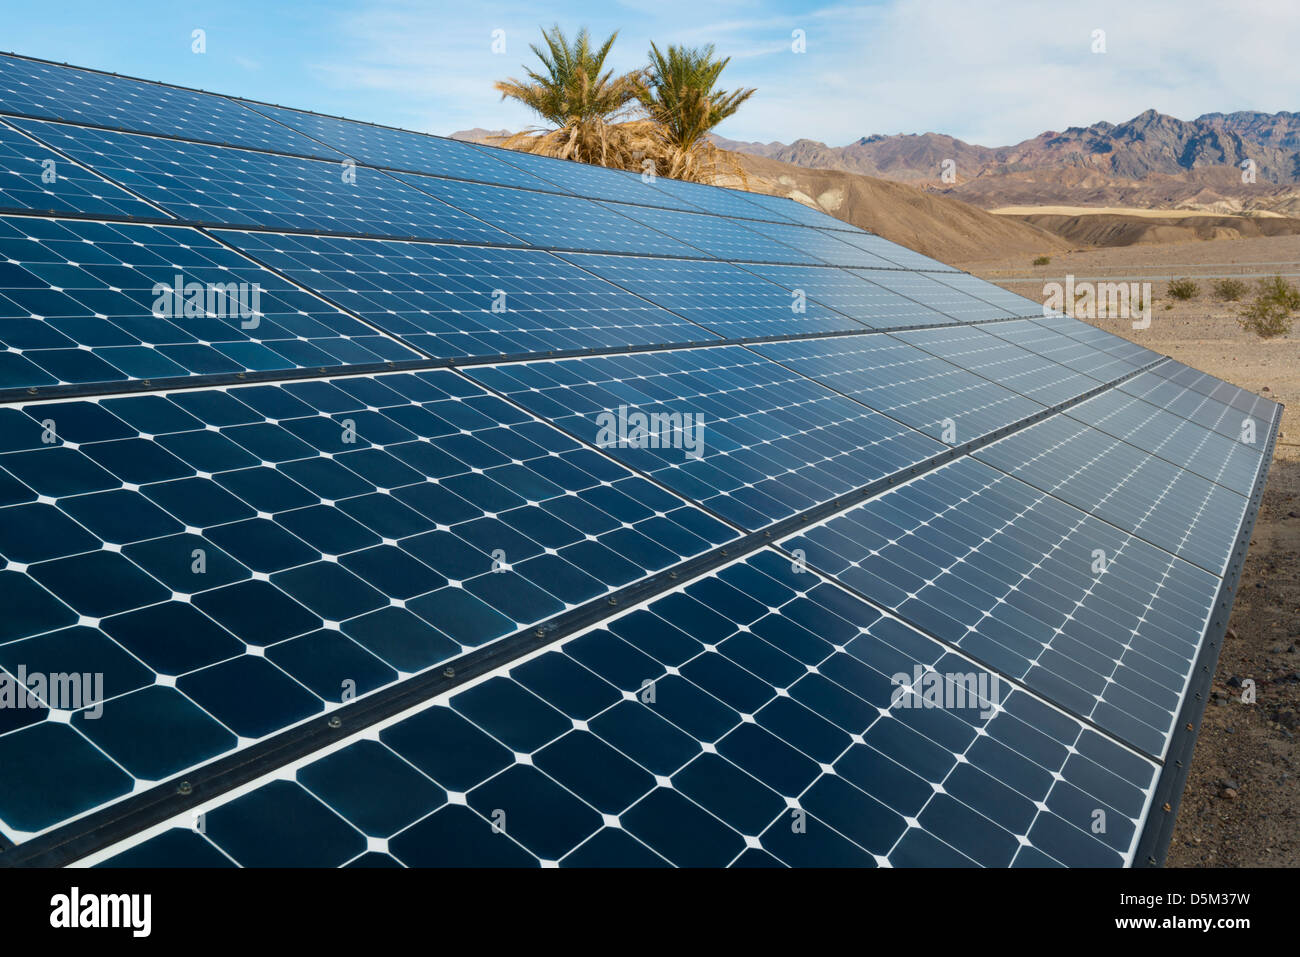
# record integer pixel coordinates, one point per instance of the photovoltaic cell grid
(381, 525)
(726, 299)
(755, 717)
(451, 301)
(773, 442)
(1010, 366)
(238, 187)
(401, 150)
(50, 91)
(33, 177)
(1008, 574)
(713, 235)
(1167, 505)
(231, 559)
(92, 302)
(868, 302)
(944, 401)
(550, 219)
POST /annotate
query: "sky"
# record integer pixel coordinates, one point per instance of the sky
(992, 72)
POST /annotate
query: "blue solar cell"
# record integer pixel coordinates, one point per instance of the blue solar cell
(1011, 576)
(50, 91)
(720, 297)
(91, 302)
(841, 749)
(470, 300)
(741, 435)
(237, 187)
(335, 534)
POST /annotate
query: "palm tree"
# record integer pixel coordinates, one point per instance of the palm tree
(583, 102)
(677, 93)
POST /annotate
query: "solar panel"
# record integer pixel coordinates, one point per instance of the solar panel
(237, 187)
(821, 245)
(726, 299)
(49, 91)
(1011, 303)
(402, 150)
(724, 202)
(953, 303)
(38, 178)
(900, 256)
(994, 358)
(799, 212)
(967, 545)
(771, 442)
(549, 219)
(97, 302)
(751, 709)
(1182, 512)
(944, 401)
(303, 538)
(722, 238)
(451, 301)
(853, 295)
(411, 502)
(592, 182)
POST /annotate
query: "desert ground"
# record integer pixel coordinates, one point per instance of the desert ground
(1241, 806)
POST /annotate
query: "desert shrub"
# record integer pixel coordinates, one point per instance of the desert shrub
(1042, 260)
(1228, 290)
(1184, 289)
(1268, 315)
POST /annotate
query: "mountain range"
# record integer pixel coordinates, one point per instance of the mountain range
(1149, 144)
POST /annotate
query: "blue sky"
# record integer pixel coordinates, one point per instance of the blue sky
(991, 72)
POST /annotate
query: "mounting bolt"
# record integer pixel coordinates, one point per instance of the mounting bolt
(184, 788)
(449, 672)
(336, 722)
(1168, 807)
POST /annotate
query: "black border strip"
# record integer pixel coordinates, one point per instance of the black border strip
(1152, 847)
(128, 816)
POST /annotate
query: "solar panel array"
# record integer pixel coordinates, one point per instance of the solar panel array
(370, 498)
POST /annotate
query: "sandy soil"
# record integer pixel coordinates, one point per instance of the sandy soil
(1108, 210)
(1241, 806)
